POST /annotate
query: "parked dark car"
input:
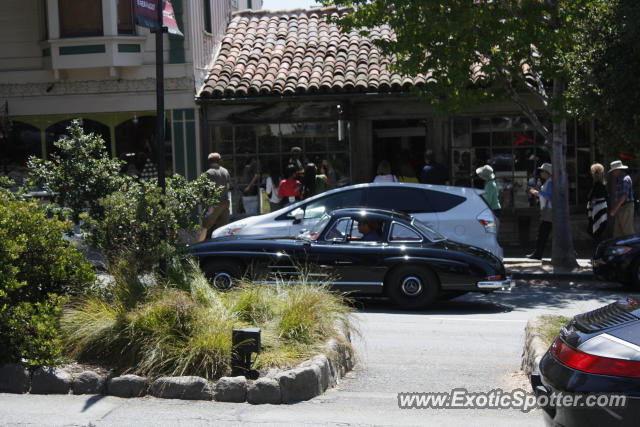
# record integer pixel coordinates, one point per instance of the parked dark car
(618, 260)
(596, 352)
(397, 256)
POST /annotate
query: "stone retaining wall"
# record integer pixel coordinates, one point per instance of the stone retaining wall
(309, 379)
(534, 346)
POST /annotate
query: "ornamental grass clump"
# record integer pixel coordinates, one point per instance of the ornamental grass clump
(186, 330)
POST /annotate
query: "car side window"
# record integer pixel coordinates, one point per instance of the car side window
(400, 199)
(402, 233)
(339, 231)
(441, 201)
(342, 199)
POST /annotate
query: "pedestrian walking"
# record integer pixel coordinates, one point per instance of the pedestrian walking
(271, 188)
(312, 182)
(622, 207)
(597, 204)
(433, 172)
(490, 194)
(218, 215)
(546, 216)
(251, 184)
(289, 188)
(384, 173)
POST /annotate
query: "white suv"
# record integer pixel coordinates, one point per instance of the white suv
(459, 213)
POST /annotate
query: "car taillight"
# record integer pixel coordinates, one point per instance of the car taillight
(487, 220)
(498, 277)
(595, 363)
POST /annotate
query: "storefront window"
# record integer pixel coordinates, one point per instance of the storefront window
(266, 148)
(512, 147)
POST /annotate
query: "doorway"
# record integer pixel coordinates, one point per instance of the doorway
(402, 143)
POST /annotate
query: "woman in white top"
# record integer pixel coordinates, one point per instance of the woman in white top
(271, 188)
(384, 173)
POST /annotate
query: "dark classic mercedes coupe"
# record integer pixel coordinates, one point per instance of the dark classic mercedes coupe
(359, 250)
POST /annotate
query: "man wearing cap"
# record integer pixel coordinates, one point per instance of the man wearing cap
(218, 215)
(546, 217)
(622, 204)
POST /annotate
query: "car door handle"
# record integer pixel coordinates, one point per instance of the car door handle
(339, 262)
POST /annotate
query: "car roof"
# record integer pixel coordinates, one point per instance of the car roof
(460, 191)
(369, 212)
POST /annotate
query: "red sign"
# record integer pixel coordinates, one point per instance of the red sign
(146, 15)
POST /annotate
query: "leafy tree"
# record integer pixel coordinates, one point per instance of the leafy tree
(481, 51)
(605, 85)
(80, 173)
(143, 224)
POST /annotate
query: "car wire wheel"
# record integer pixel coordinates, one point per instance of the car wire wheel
(412, 287)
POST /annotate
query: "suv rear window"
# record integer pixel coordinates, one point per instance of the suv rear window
(441, 201)
(399, 199)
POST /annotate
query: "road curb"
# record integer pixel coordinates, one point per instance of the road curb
(534, 346)
(303, 382)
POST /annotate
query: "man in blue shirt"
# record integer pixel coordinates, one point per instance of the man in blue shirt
(433, 172)
(622, 203)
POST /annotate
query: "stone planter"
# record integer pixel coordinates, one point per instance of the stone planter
(306, 381)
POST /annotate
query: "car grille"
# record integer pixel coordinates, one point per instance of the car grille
(602, 318)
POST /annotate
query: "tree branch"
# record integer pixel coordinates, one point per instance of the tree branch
(526, 109)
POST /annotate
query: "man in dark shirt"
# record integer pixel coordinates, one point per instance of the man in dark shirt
(369, 231)
(433, 172)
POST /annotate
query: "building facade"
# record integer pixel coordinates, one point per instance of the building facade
(291, 79)
(64, 59)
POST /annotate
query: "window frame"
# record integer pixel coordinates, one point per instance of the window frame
(206, 16)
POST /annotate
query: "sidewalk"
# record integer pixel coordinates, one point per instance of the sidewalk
(525, 268)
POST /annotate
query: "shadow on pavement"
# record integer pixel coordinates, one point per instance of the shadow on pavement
(92, 401)
(527, 294)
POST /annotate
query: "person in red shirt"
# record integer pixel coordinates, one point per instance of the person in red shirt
(289, 189)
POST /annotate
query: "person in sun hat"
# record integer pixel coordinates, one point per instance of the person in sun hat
(622, 204)
(546, 217)
(490, 188)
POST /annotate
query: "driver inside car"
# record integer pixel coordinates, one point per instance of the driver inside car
(369, 231)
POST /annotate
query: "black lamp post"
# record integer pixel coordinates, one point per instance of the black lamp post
(159, 32)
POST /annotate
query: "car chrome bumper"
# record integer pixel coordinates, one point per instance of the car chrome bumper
(504, 285)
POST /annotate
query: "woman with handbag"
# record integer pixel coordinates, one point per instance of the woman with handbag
(597, 204)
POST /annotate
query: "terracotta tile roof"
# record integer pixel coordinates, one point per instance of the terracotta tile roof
(299, 52)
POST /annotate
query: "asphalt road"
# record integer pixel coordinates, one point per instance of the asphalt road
(474, 342)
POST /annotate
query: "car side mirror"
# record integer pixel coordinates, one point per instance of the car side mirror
(298, 215)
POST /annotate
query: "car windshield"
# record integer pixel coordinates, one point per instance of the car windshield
(430, 234)
(314, 233)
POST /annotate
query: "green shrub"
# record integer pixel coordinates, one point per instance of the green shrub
(171, 331)
(80, 173)
(36, 265)
(143, 224)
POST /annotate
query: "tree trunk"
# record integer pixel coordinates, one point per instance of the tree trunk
(563, 254)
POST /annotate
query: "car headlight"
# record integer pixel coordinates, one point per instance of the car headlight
(227, 230)
(617, 251)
